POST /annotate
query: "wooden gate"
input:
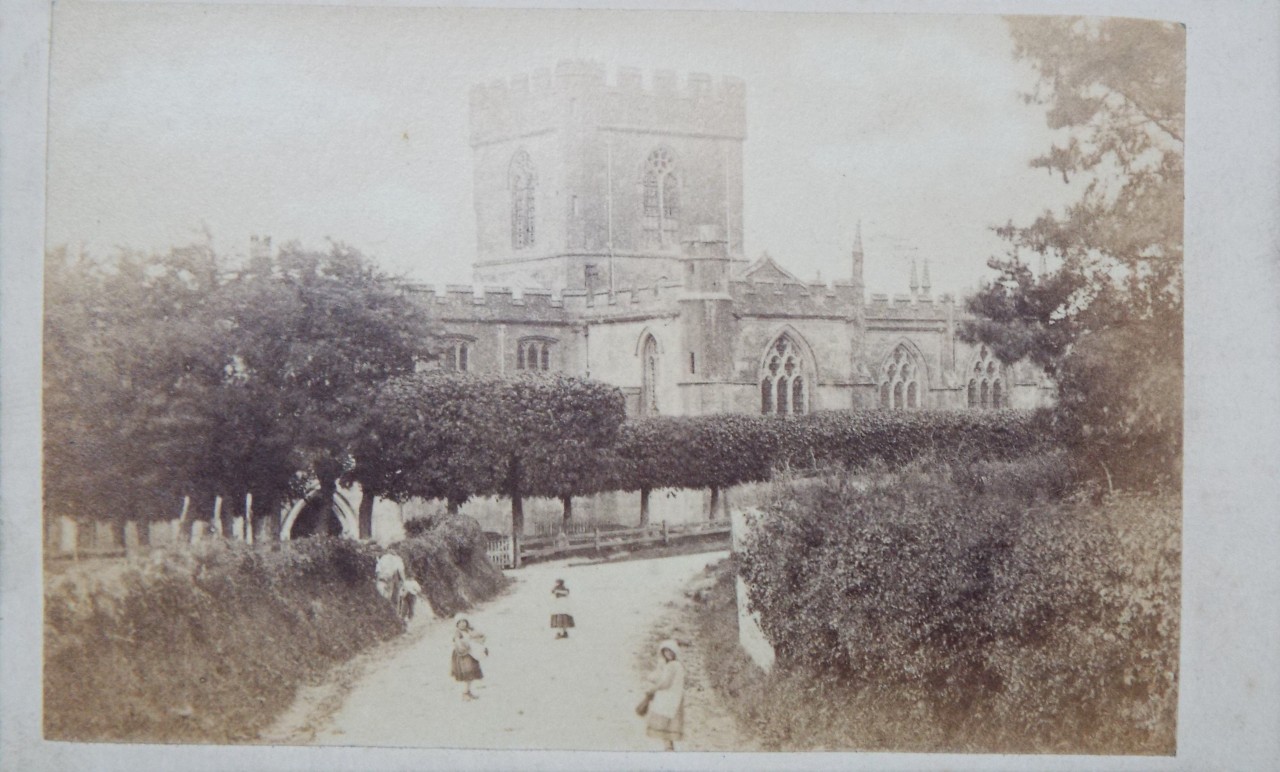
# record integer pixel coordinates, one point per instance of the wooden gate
(501, 551)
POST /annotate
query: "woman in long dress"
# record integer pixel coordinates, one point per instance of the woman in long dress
(561, 613)
(666, 708)
(468, 649)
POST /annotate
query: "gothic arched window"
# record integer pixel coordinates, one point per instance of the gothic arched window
(783, 387)
(523, 183)
(661, 199)
(649, 376)
(902, 380)
(533, 354)
(986, 385)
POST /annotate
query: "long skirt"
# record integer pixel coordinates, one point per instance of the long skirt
(666, 727)
(562, 621)
(465, 667)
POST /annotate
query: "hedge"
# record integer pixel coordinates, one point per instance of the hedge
(722, 450)
(1016, 620)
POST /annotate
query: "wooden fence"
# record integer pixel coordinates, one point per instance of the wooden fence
(597, 539)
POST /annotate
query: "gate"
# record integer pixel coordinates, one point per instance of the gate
(501, 551)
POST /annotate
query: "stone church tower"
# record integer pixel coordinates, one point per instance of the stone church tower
(580, 184)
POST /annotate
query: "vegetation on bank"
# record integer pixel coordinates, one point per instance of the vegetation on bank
(208, 643)
(959, 609)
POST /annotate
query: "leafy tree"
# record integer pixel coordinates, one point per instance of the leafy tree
(314, 334)
(120, 345)
(171, 375)
(1104, 316)
(455, 435)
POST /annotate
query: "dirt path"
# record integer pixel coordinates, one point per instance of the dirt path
(538, 692)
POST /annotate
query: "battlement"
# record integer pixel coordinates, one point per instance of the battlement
(908, 307)
(583, 91)
(841, 298)
(468, 302)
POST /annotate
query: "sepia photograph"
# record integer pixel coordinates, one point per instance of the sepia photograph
(607, 380)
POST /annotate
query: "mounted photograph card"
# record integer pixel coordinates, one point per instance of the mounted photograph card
(609, 380)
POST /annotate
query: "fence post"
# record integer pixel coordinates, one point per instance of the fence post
(217, 515)
(666, 538)
(67, 533)
(597, 538)
(248, 517)
(131, 540)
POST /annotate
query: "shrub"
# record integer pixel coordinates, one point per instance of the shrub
(447, 557)
(1015, 621)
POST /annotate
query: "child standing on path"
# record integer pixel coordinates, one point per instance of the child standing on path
(561, 614)
(666, 708)
(468, 649)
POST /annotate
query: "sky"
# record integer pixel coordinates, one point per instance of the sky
(308, 123)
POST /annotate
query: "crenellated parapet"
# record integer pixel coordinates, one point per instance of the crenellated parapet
(795, 299)
(581, 92)
(925, 308)
(481, 303)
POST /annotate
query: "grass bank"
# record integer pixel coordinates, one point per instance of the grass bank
(209, 643)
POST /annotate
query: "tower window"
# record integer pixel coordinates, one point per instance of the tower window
(661, 200)
(523, 184)
(649, 377)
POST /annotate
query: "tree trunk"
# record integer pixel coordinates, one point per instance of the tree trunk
(644, 507)
(567, 501)
(451, 507)
(724, 504)
(328, 493)
(715, 503)
(366, 514)
(517, 510)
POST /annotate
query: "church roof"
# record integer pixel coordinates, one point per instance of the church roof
(766, 269)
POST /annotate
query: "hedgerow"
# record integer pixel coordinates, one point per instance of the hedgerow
(208, 643)
(974, 608)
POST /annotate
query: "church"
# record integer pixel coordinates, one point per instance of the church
(609, 218)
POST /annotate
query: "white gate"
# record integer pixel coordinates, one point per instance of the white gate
(501, 551)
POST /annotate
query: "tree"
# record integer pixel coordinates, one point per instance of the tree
(1112, 277)
(121, 345)
(172, 374)
(456, 435)
(313, 335)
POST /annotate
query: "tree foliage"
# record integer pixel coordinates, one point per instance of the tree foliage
(1112, 278)
(455, 435)
(176, 374)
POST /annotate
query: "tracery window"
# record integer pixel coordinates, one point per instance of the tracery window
(661, 199)
(986, 382)
(523, 183)
(533, 354)
(901, 377)
(456, 355)
(649, 376)
(783, 389)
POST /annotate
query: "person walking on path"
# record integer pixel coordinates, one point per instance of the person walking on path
(561, 613)
(389, 575)
(468, 650)
(666, 696)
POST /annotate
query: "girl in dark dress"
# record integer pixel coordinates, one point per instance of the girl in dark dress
(561, 615)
